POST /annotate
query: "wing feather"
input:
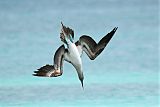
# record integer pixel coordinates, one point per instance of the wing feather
(91, 48)
(53, 70)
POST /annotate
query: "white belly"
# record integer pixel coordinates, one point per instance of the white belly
(73, 55)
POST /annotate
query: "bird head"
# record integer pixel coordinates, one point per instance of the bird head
(67, 34)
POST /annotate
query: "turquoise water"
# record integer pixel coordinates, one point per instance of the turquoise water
(124, 75)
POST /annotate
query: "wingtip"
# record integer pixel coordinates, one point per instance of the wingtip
(34, 74)
(35, 71)
(115, 29)
(62, 23)
(39, 75)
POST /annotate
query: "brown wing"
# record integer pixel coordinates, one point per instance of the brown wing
(91, 48)
(53, 70)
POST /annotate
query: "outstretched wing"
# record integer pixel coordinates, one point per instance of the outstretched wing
(90, 47)
(53, 70)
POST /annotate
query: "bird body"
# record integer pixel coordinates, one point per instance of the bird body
(73, 52)
(73, 56)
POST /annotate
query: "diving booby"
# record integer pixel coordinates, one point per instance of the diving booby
(72, 53)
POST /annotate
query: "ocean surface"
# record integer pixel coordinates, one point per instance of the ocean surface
(125, 74)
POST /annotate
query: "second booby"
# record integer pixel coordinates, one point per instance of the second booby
(72, 53)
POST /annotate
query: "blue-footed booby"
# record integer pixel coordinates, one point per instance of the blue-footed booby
(72, 53)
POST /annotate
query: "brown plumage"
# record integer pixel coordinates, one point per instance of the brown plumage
(66, 32)
(93, 49)
(73, 52)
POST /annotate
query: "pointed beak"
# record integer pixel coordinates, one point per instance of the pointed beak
(82, 84)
